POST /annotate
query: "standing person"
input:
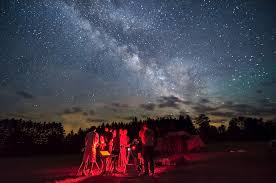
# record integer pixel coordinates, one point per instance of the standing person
(140, 160)
(109, 145)
(126, 144)
(116, 143)
(116, 149)
(105, 134)
(123, 150)
(108, 140)
(114, 134)
(148, 141)
(91, 143)
(102, 144)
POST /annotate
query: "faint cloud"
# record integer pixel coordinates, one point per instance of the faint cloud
(76, 109)
(127, 118)
(67, 111)
(73, 110)
(183, 113)
(95, 120)
(203, 108)
(222, 114)
(187, 102)
(117, 104)
(219, 121)
(204, 101)
(91, 112)
(148, 106)
(169, 101)
(228, 103)
(264, 108)
(25, 95)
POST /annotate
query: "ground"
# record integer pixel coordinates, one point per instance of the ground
(223, 162)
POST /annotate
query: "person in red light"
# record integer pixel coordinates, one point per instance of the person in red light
(122, 160)
(102, 144)
(108, 140)
(121, 150)
(116, 149)
(148, 142)
(91, 143)
(114, 134)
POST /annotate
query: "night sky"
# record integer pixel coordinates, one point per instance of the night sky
(83, 62)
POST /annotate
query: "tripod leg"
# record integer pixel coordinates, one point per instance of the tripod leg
(108, 164)
(97, 165)
(126, 161)
(91, 169)
(80, 168)
(102, 165)
(85, 167)
(112, 166)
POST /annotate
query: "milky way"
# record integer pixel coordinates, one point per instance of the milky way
(89, 61)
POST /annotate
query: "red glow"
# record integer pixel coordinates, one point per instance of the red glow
(96, 176)
(68, 174)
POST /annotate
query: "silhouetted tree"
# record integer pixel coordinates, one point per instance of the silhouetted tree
(203, 122)
(233, 129)
(221, 129)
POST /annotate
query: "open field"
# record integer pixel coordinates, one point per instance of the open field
(254, 164)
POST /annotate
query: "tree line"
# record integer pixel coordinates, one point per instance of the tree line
(19, 137)
(238, 128)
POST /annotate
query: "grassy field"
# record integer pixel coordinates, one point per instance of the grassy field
(221, 163)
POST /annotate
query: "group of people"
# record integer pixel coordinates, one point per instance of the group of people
(117, 143)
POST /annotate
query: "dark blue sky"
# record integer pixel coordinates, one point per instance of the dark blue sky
(82, 62)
